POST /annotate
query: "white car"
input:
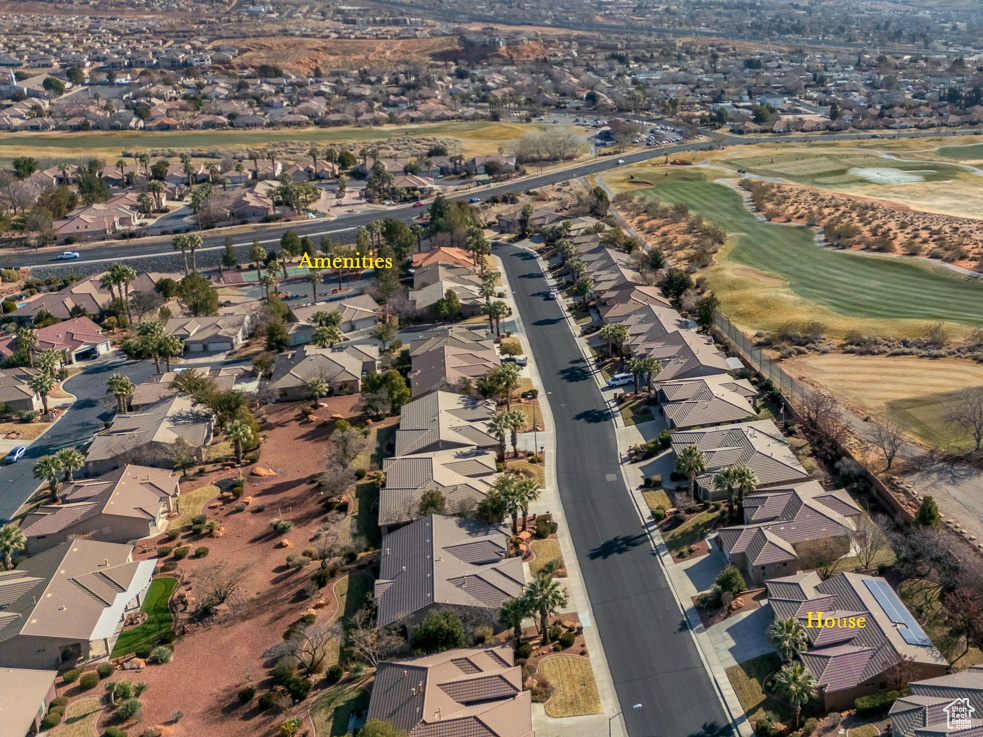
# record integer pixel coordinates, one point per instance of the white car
(553, 294)
(621, 380)
(15, 455)
(621, 161)
(68, 256)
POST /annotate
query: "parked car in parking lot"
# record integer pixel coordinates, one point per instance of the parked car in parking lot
(15, 455)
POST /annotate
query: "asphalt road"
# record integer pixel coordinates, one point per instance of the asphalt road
(80, 422)
(651, 654)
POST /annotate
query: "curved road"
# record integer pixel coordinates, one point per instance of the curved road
(651, 653)
(345, 227)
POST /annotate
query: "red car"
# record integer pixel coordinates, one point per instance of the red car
(417, 204)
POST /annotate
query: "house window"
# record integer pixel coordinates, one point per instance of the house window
(882, 686)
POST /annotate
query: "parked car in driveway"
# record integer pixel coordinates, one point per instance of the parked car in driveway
(15, 455)
(518, 360)
(621, 380)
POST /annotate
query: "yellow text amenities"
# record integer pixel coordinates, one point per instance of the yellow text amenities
(818, 620)
(358, 261)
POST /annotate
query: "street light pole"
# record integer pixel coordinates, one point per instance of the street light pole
(611, 720)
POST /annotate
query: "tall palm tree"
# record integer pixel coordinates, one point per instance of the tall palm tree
(240, 434)
(725, 480)
(789, 638)
(326, 336)
(121, 386)
(47, 468)
(70, 460)
(517, 421)
(257, 254)
(49, 361)
(796, 685)
(511, 614)
(495, 311)
(529, 491)
(501, 426)
(194, 243)
(745, 481)
(156, 190)
(121, 275)
(27, 340)
(314, 152)
(313, 278)
(43, 384)
(636, 367)
(12, 540)
(149, 337)
(170, 346)
(488, 288)
(545, 596)
(507, 487)
(317, 388)
(652, 368)
(509, 378)
(180, 243)
(121, 168)
(268, 281)
(691, 462)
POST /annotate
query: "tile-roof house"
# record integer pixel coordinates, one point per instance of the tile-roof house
(442, 358)
(706, 400)
(121, 506)
(463, 476)
(357, 313)
(781, 528)
(849, 662)
(759, 445)
(15, 392)
(342, 368)
(441, 255)
(933, 705)
(457, 693)
(148, 437)
(440, 562)
(78, 339)
(25, 694)
(63, 607)
(86, 294)
(212, 333)
(684, 354)
(444, 421)
(158, 387)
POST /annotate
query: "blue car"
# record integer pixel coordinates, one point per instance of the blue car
(15, 455)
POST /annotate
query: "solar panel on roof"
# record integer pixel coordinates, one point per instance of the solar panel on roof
(896, 611)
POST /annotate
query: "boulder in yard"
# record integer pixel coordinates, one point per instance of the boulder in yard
(284, 543)
(134, 664)
(259, 471)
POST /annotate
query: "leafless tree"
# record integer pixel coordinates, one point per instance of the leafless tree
(367, 643)
(902, 672)
(16, 195)
(348, 443)
(313, 646)
(218, 582)
(823, 555)
(823, 420)
(868, 540)
(967, 413)
(336, 479)
(888, 436)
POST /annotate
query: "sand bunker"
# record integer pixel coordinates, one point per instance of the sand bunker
(889, 176)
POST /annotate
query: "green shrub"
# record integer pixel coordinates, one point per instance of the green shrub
(545, 526)
(59, 702)
(730, 579)
(567, 639)
(114, 731)
(238, 492)
(659, 514)
(665, 439)
(105, 670)
(310, 552)
(281, 526)
(173, 534)
(143, 651)
(70, 676)
(167, 637)
(246, 694)
(335, 673)
(89, 680)
(201, 552)
(53, 717)
(299, 688)
(360, 473)
(197, 529)
(875, 704)
(286, 667)
(163, 551)
(524, 650)
(810, 726)
(162, 654)
(321, 578)
(267, 700)
(182, 552)
(199, 519)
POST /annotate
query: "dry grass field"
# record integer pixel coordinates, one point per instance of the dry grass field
(915, 391)
(574, 690)
(301, 55)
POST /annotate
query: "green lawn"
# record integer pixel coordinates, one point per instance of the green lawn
(331, 710)
(925, 417)
(691, 531)
(972, 152)
(834, 170)
(366, 513)
(849, 283)
(636, 412)
(158, 618)
(922, 599)
(747, 679)
(352, 591)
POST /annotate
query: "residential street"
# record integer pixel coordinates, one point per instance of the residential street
(82, 420)
(650, 651)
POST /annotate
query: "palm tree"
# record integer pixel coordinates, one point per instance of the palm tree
(724, 480)
(789, 638)
(27, 340)
(49, 361)
(268, 281)
(150, 334)
(121, 168)
(529, 491)
(691, 462)
(122, 275)
(501, 426)
(70, 460)
(144, 160)
(313, 278)
(47, 468)
(240, 434)
(488, 287)
(328, 319)
(517, 421)
(566, 249)
(616, 334)
(546, 596)
(326, 336)
(796, 685)
(121, 386)
(317, 388)
(170, 346)
(506, 486)
(194, 243)
(257, 254)
(509, 379)
(652, 368)
(745, 481)
(636, 367)
(495, 311)
(314, 152)
(156, 190)
(43, 384)
(180, 243)
(584, 287)
(511, 614)
(11, 541)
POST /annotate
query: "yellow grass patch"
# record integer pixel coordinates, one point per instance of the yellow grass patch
(574, 690)
(192, 503)
(80, 719)
(545, 550)
(525, 468)
(28, 431)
